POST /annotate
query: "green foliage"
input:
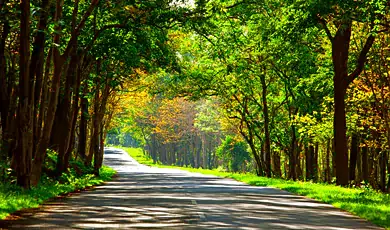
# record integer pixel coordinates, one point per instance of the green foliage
(6, 172)
(14, 198)
(233, 153)
(207, 118)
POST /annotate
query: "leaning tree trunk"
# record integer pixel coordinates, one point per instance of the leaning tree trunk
(75, 111)
(37, 63)
(64, 117)
(84, 118)
(98, 145)
(249, 138)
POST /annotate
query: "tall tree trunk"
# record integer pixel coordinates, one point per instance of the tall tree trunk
(373, 167)
(341, 81)
(388, 169)
(84, 118)
(359, 174)
(99, 148)
(309, 162)
(353, 157)
(276, 165)
(75, 111)
(59, 62)
(327, 168)
(249, 139)
(299, 161)
(44, 100)
(64, 117)
(24, 149)
(4, 96)
(383, 164)
(292, 157)
(266, 127)
(37, 63)
(315, 162)
(198, 150)
(365, 167)
(204, 150)
(333, 161)
(340, 138)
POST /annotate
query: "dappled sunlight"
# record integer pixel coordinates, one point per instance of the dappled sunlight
(150, 198)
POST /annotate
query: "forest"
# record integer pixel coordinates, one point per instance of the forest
(289, 89)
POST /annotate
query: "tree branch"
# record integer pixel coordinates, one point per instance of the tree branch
(80, 26)
(240, 3)
(323, 23)
(2, 3)
(74, 16)
(361, 60)
(98, 32)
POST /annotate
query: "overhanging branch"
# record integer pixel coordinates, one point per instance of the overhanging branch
(361, 60)
(324, 25)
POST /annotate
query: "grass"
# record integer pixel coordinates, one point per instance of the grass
(366, 203)
(14, 198)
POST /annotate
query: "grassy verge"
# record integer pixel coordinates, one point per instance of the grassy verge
(13, 198)
(365, 203)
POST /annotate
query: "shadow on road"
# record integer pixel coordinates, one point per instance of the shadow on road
(148, 198)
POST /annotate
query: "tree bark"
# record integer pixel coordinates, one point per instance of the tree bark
(64, 117)
(341, 81)
(353, 157)
(309, 162)
(276, 165)
(37, 63)
(365, 167)
(59, 62)
(267, 143)
(75, 111)
(315, 162)
(340, 51)
(24, 149)
(84, 118)
(327, 168)
(292, 158)
(101, 108)
(383, 164)
(388, 168)
(4, 96)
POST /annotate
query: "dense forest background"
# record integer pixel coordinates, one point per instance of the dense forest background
(291, 89)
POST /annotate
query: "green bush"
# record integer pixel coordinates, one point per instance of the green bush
(79, 176)
(234, 154)
(14, 198)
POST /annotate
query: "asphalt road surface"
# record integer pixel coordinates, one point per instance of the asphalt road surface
(143, 197)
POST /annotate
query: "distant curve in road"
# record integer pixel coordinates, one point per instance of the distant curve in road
(143, 197)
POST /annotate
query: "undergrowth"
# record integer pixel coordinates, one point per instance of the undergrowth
(14, 198)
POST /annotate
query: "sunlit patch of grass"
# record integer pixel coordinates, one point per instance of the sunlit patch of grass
(366, 203)
(13, 198)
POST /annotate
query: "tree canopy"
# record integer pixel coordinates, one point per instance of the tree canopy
(303, 86)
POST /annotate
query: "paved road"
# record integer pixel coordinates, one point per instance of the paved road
(150, 198)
